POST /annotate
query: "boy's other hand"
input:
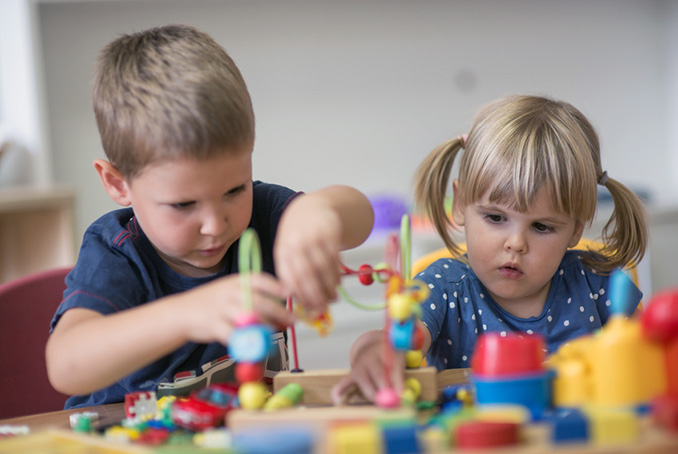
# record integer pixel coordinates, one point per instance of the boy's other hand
(306, 254)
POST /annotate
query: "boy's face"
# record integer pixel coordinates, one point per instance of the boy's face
(192, 211)
(515, 255)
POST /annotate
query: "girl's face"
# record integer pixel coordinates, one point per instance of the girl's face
(192, 211)
(515, 255)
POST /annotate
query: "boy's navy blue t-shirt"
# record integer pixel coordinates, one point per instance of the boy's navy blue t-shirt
(118, 269)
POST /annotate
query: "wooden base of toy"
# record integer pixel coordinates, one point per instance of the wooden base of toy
(317, 384)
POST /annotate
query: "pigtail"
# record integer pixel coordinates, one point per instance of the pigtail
(625, 234)
(430, 188)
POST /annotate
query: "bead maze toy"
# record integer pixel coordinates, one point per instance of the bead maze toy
(595, 391)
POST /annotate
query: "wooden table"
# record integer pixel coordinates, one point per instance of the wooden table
(53, 434)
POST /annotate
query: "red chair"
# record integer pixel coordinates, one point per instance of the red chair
(27, 305)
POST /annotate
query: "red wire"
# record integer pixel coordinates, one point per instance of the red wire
(293, 337)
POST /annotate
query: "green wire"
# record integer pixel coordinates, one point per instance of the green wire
(249, 261)
(349, 299)
(405, 248)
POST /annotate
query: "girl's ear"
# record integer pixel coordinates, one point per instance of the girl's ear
(457, 209)
(576, 236)
(114, 184)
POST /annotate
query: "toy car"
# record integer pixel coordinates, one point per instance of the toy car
(206, 407)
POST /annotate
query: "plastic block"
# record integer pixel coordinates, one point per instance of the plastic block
(352, 438)
(279, 440)
(569, 426)
(612, 425)
(401, 440)
(483, 434)
(665, 412)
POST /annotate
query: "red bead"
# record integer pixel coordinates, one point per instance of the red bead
(247, 372)
(365, 274)
(417, 338)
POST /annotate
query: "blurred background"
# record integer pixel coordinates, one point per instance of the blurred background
(350, 91)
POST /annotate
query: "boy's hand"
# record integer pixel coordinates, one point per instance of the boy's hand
(306, 253)
(215, 307)
(367, 369)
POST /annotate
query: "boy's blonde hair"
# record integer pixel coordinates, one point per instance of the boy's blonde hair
(520, 145)
(168, 92)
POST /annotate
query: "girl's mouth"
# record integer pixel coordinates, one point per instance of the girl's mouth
(510, 271)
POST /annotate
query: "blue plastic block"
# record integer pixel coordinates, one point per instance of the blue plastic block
(400, 440)
(569, 425)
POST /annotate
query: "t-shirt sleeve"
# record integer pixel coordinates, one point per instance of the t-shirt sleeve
(103, 280)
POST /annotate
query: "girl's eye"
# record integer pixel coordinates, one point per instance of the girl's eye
(542, 228)
(494, 218)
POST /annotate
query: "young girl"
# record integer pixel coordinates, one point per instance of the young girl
(526, 189)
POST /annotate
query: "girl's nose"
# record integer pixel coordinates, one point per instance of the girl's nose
(516, 243)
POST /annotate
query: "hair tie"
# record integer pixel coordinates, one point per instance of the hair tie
(463, 138)
(603, 179)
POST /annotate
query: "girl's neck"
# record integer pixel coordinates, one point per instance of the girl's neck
(525, 307)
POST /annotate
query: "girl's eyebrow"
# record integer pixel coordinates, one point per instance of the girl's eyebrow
(503, 209)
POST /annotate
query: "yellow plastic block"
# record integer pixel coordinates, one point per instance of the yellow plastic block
(353, 438)
(628, 370)
(518, 414)
(612, 426)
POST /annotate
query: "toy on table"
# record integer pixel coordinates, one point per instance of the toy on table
(250, 342)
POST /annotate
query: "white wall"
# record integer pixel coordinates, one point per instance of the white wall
(358, 92)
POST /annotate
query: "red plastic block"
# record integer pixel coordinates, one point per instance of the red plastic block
(485, 434)
(665, 412)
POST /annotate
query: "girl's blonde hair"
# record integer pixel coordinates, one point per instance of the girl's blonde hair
(520, 145)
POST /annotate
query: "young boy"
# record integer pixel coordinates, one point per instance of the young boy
(154, 292)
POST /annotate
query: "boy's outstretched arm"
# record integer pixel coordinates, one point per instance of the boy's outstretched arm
(312, 232)
(88, 351)
(367, 366)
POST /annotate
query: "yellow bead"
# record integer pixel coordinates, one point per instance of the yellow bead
(400, 307)
(413, 359)
(252, 395)
(414, 385)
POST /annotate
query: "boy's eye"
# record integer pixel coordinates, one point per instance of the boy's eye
(236, 190)
(182, 205)
(542, 228)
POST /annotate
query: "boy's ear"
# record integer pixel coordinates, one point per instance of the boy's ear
(576, 236)
(114, 184)
(457, 209)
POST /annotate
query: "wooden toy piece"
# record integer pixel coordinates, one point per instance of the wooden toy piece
(317, 384)
(288, 396)
(252, 395)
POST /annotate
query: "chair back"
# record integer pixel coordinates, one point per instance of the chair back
(27, 305)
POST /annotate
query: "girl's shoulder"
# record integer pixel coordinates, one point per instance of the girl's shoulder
(449, 269)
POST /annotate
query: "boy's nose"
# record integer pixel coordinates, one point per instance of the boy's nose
(213, 224)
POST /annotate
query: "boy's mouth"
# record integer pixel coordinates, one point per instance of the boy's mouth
(211, 251)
